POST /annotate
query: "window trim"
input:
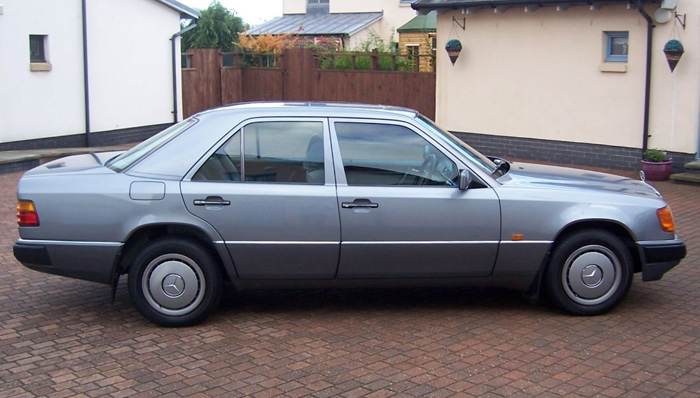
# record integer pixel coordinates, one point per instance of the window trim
(609, 57)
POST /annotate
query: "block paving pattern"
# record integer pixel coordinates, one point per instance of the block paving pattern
(62, 338)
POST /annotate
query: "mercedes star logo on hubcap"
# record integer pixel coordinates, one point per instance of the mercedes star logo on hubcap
(592, 275)
(173, 285)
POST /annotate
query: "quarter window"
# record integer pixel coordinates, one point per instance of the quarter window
(272, 152)
(385, 154)
(616, 46)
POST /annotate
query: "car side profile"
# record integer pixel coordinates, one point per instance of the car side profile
(273, 195)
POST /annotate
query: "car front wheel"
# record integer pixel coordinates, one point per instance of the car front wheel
(174, 282)
(589, 272)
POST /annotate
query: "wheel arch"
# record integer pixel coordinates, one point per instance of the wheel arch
(142, 236)
(614, 227)
(607, 225)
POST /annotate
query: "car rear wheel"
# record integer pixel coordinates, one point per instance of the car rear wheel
(589, 272)
(175, 282)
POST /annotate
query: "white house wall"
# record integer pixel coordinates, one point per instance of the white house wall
(130, 63)
(40, 104)
(538, 75)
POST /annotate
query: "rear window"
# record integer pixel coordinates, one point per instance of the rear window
(133, 155)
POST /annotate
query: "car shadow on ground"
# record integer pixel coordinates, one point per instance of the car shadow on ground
(368, 300)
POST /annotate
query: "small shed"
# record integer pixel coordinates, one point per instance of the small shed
(419, 37)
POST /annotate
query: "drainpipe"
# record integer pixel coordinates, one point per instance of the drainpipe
(85, 77)
(176, 52)
(647, 87)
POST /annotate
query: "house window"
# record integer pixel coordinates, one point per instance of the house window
(317, 6)
(38, 53)
(616, 46)
(37, 50)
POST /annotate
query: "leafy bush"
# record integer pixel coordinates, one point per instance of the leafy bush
(453, 45)
(673, 46)
(655, 155)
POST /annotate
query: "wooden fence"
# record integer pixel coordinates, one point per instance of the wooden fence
(296, 76)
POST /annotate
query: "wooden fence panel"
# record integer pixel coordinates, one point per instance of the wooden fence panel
(201, 84)
(208, 84)
(410, 90)
(263, 84)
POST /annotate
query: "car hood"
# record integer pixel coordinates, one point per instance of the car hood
(87, 163)
(564, 178)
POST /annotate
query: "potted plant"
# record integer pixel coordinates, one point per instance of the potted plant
(453, 47)
(673, 50)
(656, 165)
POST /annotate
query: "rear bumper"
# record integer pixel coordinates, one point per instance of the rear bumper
(658, 257)
(90, 261)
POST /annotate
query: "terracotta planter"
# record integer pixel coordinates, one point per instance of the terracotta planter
(657, 171)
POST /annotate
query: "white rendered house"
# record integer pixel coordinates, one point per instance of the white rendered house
(88, 72)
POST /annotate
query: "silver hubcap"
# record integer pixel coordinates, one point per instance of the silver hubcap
(591, 275)
(173, 284)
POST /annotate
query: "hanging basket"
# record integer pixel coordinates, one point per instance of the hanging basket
(453, 47)
(673, 50)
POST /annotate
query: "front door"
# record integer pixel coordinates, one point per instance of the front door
(270, 192)
(402, 213)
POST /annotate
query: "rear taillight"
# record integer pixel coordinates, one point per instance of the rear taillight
(26, 214)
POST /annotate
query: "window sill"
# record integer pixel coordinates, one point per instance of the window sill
(614, 67)
(40, 66)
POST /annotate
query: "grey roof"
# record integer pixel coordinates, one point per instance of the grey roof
(318, 24)
(434, 4)
(185, 11)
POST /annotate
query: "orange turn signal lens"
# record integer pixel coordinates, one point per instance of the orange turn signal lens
(666, 219)
(26, 214)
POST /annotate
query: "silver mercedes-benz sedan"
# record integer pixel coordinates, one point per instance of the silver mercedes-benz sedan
(267, 195)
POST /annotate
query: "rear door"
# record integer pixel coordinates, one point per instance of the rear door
(402, 213)
(270, 192)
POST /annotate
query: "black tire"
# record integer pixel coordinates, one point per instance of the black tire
(589, 272)
(175, 282)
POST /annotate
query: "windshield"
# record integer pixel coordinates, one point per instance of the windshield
(136, 153)
(476, 157)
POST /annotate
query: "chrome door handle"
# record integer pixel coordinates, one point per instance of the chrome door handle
(212, 201)
(359, 203)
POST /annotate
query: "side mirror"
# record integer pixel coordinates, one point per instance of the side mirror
(465, 179)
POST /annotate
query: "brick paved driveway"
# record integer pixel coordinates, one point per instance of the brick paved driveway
(61, 337)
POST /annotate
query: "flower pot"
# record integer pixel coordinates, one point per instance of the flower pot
(673, 50)
(453, 54)
(657, 171)
(453, 47)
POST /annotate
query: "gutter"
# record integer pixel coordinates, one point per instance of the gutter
(175, 54)
(86, 84)
(647, 84)
(455, 4)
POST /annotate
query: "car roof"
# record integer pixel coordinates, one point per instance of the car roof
(325, 109)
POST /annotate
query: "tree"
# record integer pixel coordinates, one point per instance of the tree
(218, 27)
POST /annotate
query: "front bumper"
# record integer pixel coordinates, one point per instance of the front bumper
(90, 261)
(658, 257)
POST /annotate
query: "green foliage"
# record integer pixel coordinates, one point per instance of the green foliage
(342, 60)
(453, 45)
(217, 28)
(673, 46)
(655, 155)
